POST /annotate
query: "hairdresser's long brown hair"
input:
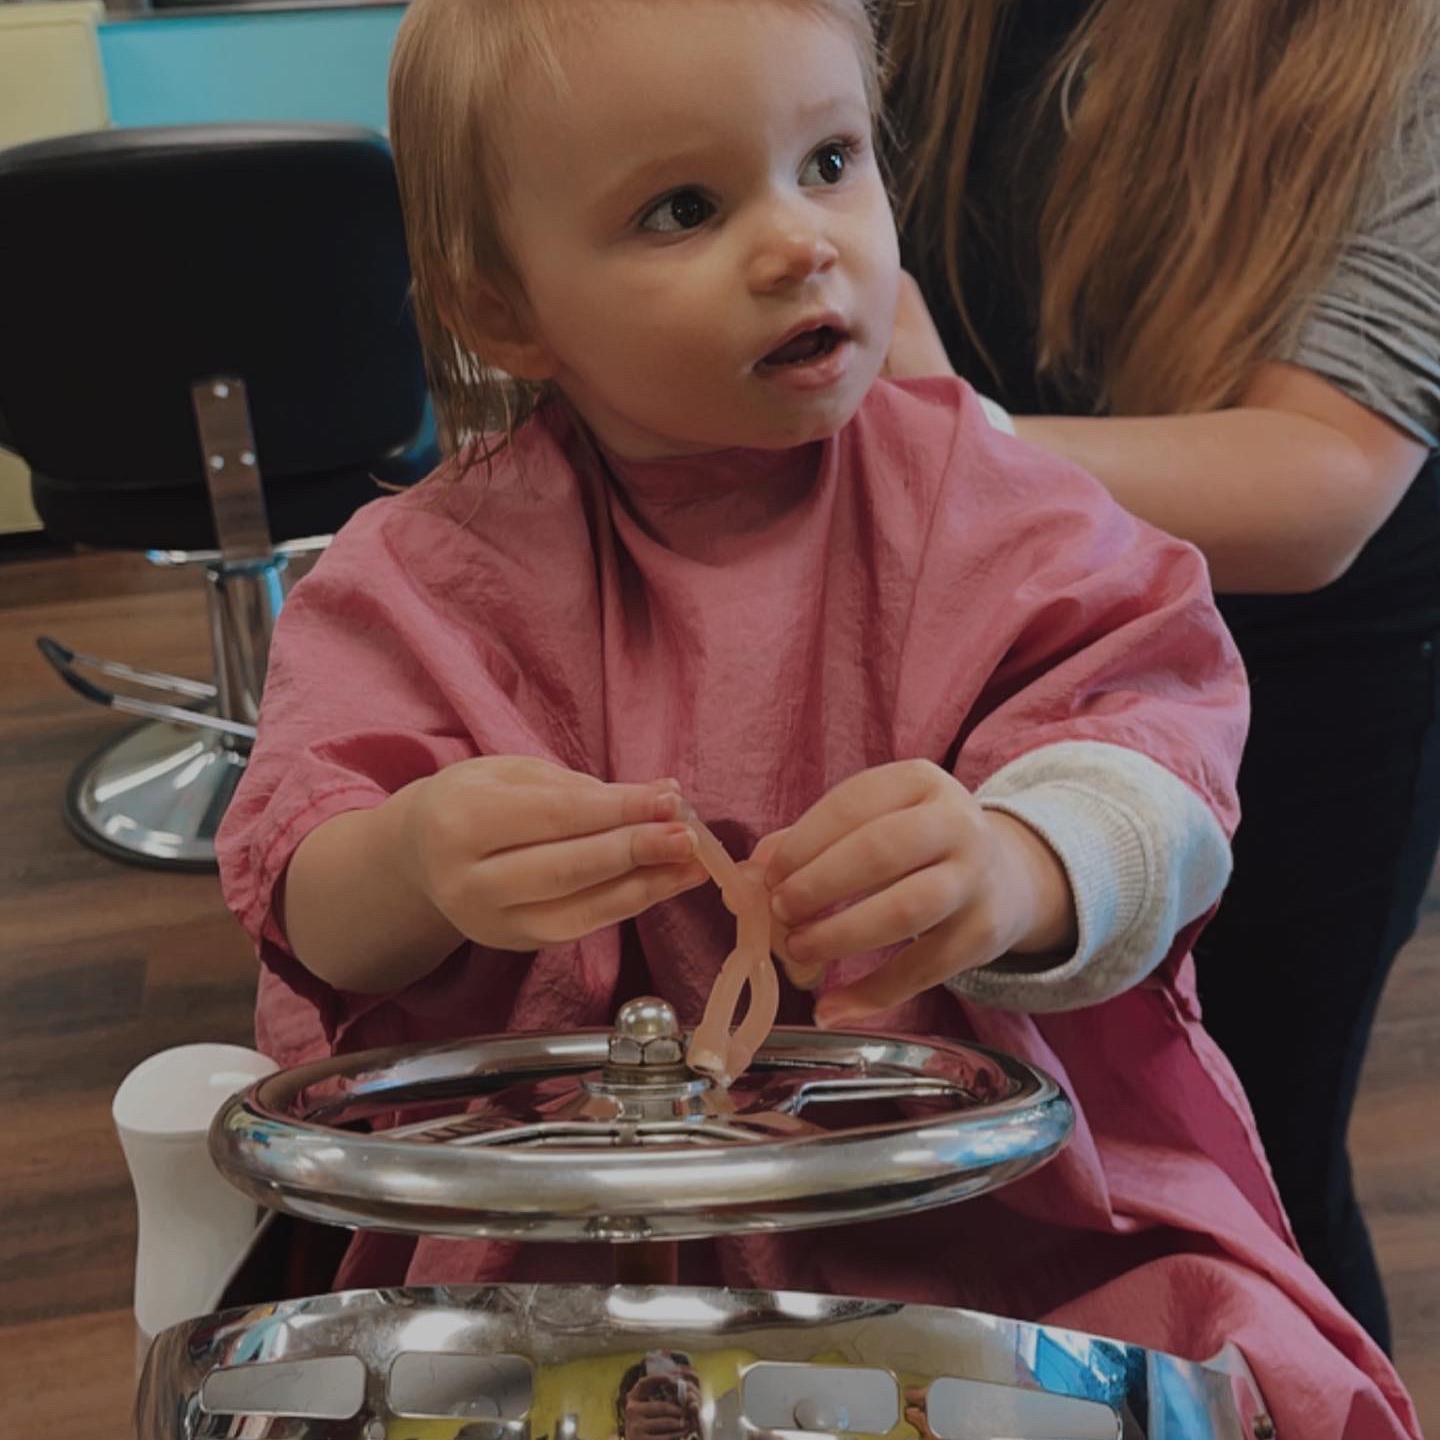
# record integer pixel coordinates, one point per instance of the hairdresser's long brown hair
(1215, 155)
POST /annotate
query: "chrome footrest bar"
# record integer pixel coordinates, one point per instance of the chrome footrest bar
(68, 663)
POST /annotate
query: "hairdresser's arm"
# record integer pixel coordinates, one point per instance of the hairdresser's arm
(1279, 493)
(510, 852)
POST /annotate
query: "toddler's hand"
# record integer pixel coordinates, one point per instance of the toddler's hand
(909, 854)
(518, 854)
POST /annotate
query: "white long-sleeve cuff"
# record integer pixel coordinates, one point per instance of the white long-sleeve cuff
(1144, 856)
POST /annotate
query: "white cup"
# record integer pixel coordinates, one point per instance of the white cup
(193, 1224)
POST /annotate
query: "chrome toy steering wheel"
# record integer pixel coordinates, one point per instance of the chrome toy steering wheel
(597, 1135)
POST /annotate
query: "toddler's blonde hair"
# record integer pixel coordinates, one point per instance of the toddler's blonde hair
(455, 62)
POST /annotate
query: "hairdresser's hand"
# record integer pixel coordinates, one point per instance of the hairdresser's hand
(906, 853)
(917, 1412)
(915, 348)
(663, 1407)
(519, 854)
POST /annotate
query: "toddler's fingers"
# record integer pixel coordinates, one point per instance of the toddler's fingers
(765, 850)
(880, 852)
(533, 770)
(909, 907)
(851, 804)
(536, 814)
(553, 870)
(803, 977)
(557, 922)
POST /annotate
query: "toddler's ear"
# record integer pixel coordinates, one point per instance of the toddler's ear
(498, 328)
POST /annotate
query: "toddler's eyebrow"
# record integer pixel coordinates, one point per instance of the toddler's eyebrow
(647, 177)
(640, 181)
(837, 105)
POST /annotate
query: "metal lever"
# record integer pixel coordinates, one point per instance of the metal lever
(237, 501)
(286, 550)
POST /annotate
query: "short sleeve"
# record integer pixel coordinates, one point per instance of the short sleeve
(378, 677)
(351, 714)
(1374, 329)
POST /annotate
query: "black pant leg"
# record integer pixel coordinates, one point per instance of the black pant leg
(1340, 797)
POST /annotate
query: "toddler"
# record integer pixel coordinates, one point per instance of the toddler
(979, 726)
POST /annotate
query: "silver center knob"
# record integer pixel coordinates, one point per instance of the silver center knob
(647, 1033)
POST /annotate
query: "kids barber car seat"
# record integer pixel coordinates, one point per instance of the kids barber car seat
(608, 1136)
(207, 355)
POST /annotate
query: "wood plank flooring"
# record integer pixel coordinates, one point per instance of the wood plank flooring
(103, 964)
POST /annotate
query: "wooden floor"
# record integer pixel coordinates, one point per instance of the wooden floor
(103, 964)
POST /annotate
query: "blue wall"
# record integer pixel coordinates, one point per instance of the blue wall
(291, 65)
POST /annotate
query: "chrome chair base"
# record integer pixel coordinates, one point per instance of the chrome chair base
(155, 796)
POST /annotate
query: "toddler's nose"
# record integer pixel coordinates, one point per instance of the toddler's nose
(789, 253)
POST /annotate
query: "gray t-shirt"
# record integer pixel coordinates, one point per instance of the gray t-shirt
(1374, 331)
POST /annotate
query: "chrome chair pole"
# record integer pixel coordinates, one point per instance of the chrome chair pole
(156, 795)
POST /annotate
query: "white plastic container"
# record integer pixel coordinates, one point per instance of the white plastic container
(193, 1225)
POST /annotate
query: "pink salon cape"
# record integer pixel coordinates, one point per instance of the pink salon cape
(761, 626)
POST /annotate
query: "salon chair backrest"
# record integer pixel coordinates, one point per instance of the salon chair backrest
(134, 262)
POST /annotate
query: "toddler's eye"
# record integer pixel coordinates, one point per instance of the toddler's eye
(827, 164)
(684, 210)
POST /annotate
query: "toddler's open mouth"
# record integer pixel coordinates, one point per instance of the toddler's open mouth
(809, 345)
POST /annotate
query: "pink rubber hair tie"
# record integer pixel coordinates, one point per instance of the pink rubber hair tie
(714, 1050)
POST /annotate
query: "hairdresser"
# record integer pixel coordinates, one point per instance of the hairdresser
(1195, 247)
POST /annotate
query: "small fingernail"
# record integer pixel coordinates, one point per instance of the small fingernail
(780, 908)
(804, 977)
(667, 805)
(829, 1013)
(680, 843)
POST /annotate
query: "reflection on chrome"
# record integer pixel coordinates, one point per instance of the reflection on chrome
(658, 1309)
(585, 1363)
(800, 1306)
(438, 1331)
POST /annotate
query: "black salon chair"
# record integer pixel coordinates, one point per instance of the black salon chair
(206, 354)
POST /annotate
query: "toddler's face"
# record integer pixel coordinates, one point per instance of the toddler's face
(706, 246)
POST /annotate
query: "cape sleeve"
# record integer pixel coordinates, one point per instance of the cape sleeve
(368, 681)
(1114, 712)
